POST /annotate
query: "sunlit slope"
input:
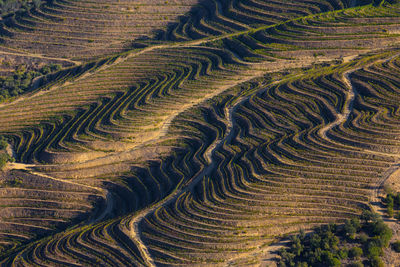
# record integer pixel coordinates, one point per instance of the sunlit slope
(204, 151)
(281, 159)
(292, 159)
(213, 17)
(86, 29)
(83, 30)
(98, 115)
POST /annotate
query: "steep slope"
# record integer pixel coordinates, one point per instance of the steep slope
(87, 29)
(206, 150)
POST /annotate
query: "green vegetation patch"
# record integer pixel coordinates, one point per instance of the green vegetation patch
(356, 243)
(4, 156)
(11, 6)
(22, 80)
(392, 203)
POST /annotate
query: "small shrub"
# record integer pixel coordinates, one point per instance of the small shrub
(356, 264)
(390, 211)
(14, 183)
(355, 252)
(396, 246)
(3, 143)
(382, 232)
(343, 254)
(377, 262)
(3, 160)
(374, 251)
(369, 216)
(351, 227)
(363, 238)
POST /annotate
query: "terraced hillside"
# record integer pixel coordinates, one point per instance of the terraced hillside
(235, 123)
(74, 31)
(85, 29)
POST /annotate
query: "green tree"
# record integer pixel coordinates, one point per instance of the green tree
(355, 252)
(297, 247)
(389, 204)
(4, 158)
(374, 251)
(369, 216)
(382, 232)
(396, 246)
(363, 238)
(377, 262)
(356, 264)
(397, 199)
(349, 229)
(343, 253)
(3, 143)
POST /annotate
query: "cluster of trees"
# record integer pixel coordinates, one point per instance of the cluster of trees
(11, 6)
(21, 80)
(375, 2)
(332, 245)
(4, 157)
(392, 201)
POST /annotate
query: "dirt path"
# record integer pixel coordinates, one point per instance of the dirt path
(108, 197)
(29, 168)
(134, 232)
(188, 185)
(210, 153)
(391, 258)
(183, 188)
(342, 117)
(270, 251)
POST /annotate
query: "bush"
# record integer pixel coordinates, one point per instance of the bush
(374, 251)
(355, 252)
(390, 211)
(396, 246)
(343, 254)
(14, 183)
(3, 143)
(4, 158)
(49, 68)
(377, 262)
(397, 199)
(369, 216)
(349, 229)
(356, 264)
(363, 238)
(382, 232)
